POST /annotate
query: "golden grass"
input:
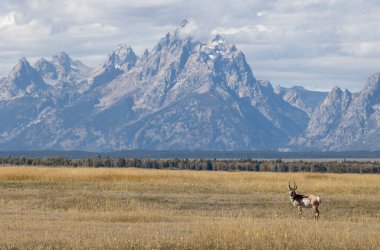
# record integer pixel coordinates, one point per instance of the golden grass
(86, 208)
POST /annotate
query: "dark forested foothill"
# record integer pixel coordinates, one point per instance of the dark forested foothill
(278, 165)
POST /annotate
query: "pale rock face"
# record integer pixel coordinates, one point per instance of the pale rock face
(122, 57)
(344, 121)
(183, 94)
(46, 69)
(301, 98)
(22, 80)
(121, 60)
(326, 116)
(67, 77)
(61, 69)
(22, 95)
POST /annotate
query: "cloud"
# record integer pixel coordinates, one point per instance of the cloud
(231, 31)
(8, 20)
(362, 49)
(189, 29)
(261, 13)
(314, 42)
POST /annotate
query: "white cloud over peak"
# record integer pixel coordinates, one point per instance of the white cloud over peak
(315, 42)
(190, 29)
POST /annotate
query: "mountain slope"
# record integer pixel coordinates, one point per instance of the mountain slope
(122, 59)
(23, 80)
(182, 94)
(346, 122)
(301, 98)
(24, 95)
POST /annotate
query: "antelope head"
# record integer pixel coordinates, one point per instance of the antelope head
(292, 190)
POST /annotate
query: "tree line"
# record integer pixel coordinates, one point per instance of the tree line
(249, 164)
(197, 154)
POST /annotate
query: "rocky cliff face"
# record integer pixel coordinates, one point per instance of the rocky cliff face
(301, 98)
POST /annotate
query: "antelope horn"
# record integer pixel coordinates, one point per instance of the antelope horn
(295, 186)
(289, 186)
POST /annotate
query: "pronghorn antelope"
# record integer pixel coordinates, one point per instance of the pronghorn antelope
(306, 201)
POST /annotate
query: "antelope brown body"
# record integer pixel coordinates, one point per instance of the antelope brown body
(304, 201)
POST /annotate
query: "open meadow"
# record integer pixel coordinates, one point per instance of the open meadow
(83, 208)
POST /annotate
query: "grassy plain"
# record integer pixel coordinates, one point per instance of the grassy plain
(69, 208)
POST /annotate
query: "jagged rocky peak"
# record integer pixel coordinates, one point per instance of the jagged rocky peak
(278, 90)
(220, 42)
(122, 57)
(373, 81)
(180, 37)
(23, 61)
(265, 84)
(219, 45)
(21, 69)
(372, 88)
(145, 54)
(334, 96)
(62, 57)
(298, 96)
(120, 60)
(62, 64)
(21, 65)
(337, 94)
(223, 54)
(347, 92)
(61, 68)
(46, 68)
(63, 60)
(181, 27)
(23, 75)
(183, 31)
(183, 24)
(40, 62)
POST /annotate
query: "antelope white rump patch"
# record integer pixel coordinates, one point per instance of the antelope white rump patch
(319, 200)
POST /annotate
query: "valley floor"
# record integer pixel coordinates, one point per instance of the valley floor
(83, 208)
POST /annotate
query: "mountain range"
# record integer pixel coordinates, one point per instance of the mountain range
(181, 95)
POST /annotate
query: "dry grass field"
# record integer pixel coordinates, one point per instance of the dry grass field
(68, 208)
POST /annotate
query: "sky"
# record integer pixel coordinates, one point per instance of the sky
(317, 44)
